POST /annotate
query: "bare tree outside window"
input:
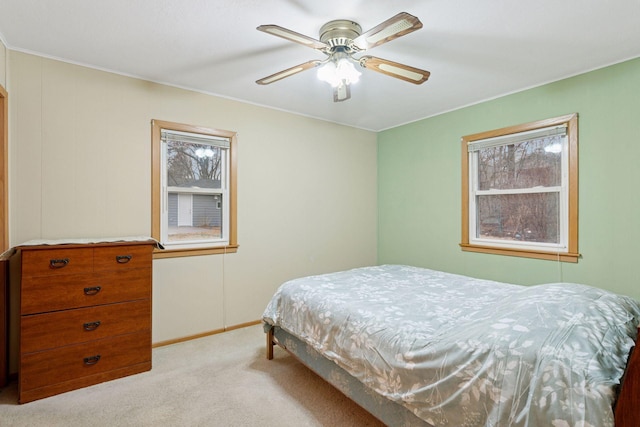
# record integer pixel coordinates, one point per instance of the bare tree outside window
(191, 164)
(532, 216)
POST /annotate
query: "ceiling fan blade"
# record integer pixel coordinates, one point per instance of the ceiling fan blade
(293, 36)
(288, 72)
(395, 69)
(342, 92)
(392, 28)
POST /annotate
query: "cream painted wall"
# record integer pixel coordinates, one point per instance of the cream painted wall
(3, 78)
(3, 65)
(80, 166)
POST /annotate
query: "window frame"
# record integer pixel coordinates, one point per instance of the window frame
(570, 254)
(229, 246)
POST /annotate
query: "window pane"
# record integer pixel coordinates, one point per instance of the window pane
(193, 165)
(529, 217)
(194, 217)
(522, 165)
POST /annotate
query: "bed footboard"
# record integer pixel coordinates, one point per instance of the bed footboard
(627, 410)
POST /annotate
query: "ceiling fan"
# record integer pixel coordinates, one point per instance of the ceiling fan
(340, 40)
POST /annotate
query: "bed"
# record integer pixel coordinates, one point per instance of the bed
(419, 347)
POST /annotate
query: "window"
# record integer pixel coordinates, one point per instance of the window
(520, 190)
(193, 189)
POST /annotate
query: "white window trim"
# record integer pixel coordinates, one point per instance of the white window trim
(164, 213)
(562, 190)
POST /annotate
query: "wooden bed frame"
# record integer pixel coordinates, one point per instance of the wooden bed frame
(626, 407)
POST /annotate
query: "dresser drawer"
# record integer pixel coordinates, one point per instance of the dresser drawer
(42, 294)
(112, 258)
(56, 262)
(61, 328)
(72, 362)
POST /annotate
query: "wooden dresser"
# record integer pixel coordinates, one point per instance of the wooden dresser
(85, 315)
(4, 321)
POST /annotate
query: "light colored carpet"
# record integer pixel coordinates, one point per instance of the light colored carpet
(221, 380)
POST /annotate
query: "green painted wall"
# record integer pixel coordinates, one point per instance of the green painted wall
(419, 183)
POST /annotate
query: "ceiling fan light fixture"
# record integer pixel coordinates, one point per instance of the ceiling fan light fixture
(339, 71)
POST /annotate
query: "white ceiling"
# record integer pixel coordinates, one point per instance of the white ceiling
(475, 49)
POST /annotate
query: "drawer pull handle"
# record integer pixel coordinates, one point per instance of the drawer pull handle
(123, 259)
(92, 290)
(92, 360)
(58, 263)
(91, 326)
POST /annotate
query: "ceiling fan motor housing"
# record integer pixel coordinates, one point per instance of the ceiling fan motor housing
(340, 32)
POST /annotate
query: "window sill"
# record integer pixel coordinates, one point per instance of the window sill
(551, 256)
(176, 253)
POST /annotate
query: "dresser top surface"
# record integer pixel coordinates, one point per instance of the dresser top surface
(83, 242)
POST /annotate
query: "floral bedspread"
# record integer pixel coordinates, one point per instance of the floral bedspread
(459, 351)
